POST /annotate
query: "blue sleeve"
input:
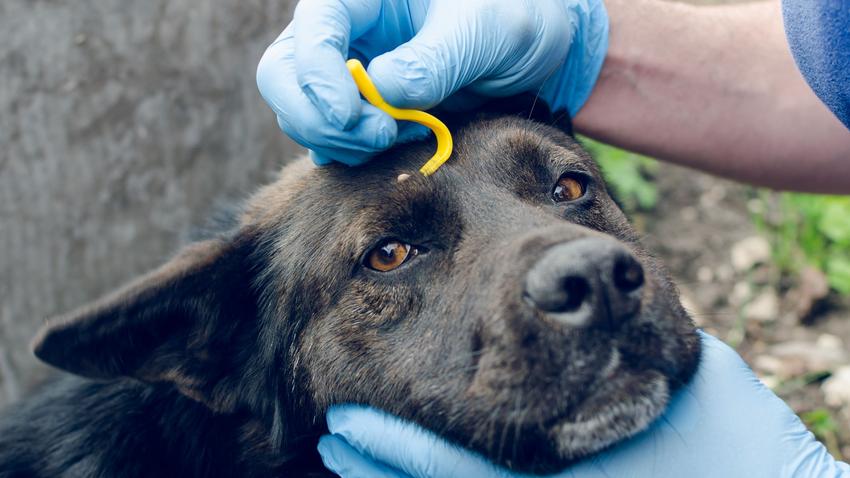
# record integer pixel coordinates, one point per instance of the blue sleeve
(819, 35)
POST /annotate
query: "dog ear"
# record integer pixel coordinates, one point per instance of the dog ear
(190, 323)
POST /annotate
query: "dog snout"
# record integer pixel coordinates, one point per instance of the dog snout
(588, 282)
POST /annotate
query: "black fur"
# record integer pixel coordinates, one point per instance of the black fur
(224, 361)
(83, 428)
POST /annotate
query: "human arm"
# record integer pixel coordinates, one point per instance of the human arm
(421, 53)
(715, 88)
(725, 422)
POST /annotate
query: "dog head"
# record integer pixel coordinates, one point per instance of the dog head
(504, 303)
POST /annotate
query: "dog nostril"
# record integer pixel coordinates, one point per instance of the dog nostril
(587, 282)
(575, 290)
(561, 297)
(628, 274)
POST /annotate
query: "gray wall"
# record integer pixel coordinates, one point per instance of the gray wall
(122, 125)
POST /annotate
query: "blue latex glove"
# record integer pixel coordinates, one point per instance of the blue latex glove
(725, 423)
(420, 52)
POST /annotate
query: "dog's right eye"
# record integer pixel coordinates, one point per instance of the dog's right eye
(390, 254)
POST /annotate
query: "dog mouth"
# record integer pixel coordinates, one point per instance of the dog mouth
(624, 391)
(622, 403)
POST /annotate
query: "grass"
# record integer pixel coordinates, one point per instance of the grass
(628, 175)
(803, 229)
(807, 229)
(821, 422)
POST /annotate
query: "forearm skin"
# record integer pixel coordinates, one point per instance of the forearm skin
(715, 88)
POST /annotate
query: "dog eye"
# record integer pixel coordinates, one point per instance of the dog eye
(389, 255)
(567, 188)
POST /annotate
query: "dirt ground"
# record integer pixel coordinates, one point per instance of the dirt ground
(702, 229)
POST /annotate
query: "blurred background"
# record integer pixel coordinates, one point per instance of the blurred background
(124, 125)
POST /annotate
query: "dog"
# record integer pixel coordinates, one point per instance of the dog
(504, 303)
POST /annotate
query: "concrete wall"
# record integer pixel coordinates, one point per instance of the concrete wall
(122, 124)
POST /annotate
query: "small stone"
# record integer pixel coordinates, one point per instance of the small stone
(755, 206)
(724, 272)
(836, 389)
(814, 281)
(741, 293)
(829, 342)
(762, 274)
(705, 274)
(748, 252)
(80, 38)
(712, 197)
(811, 357)
(764, 307)
(769, 364)
(689, 214)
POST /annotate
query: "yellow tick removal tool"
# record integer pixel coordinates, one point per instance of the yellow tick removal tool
(444, 137)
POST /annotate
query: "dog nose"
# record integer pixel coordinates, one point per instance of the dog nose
(587, 282)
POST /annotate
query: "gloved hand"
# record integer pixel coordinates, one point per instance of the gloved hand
(724, 423)
(420, 52)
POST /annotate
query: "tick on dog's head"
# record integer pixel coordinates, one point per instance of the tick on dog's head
(503, 302)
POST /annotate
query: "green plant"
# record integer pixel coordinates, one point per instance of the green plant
(627, 174)
(808, 229)
(822, 424)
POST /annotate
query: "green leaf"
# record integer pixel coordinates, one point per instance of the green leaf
(627, 175)
(834, 222)
(838, 272)
(807, 229)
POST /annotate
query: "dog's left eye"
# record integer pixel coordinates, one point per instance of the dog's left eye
(390, 254)
(568, 188)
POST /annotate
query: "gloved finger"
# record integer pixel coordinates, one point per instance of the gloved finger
(276, 69)
(526, 64)
(320, 159)
(373, 133)
(463, 100)
(435, 63)
(348, 157)
(409, 132)
(298, 117)
(354, 147)
(570, 85)
(405, 446)
(339, 457)
(323, 29)
(502, 49)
